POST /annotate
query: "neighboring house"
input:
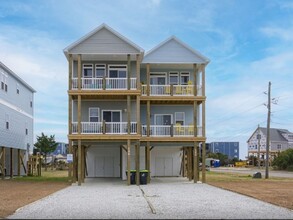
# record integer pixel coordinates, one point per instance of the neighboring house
(231, 149)
(280, 140)
(16, 122)
(130, 110)
(61, 149)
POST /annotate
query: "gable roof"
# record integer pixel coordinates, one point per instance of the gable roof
(173, 50)
(94, 41)
(275, 133)
(17, 77)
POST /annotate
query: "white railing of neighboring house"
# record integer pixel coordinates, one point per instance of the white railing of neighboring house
(92, 83)
(168, 90)
(110, 83)
(165, 130)
(110, 127)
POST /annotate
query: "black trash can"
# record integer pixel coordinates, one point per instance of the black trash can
(132, 176)
(257, 175)
(143, 177)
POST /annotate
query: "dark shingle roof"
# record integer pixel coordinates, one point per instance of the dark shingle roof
(275, 133)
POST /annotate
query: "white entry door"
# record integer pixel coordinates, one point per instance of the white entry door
(104, 166)
(164, 166)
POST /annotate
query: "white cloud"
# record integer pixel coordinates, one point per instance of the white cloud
(285, 34)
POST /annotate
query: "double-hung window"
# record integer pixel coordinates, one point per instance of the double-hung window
(184, 78)
(94, 114)
(117, 71)
(87, 70)
(180, 118)
(100, 70)
(173, 78)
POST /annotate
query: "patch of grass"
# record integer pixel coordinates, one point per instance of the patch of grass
(234, 177)
(49, 175)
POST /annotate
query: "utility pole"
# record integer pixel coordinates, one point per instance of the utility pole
(258, 146)
(268, 131)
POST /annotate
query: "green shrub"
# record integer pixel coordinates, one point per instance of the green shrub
(284, 161)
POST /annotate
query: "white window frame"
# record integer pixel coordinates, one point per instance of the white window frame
(176, 113)
(117, 67)
(120, 111)
(87, 66)
(174, 74)
(100, 66)
(279, 146)
(94, 116)
(155, 115)
(158, 74)
(184, 74)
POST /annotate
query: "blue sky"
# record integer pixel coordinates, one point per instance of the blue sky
(248, 42)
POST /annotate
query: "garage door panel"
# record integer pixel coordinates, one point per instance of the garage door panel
(159, 166)
(99, 166)
(109, 167)
(168, 163)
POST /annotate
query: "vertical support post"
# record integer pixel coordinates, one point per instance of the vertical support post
(195, 118)
(79, 71)
(189, 159)
(148, 160)
(137, 156)
(70, 164)
(148, 78)
(138, 71)
(11, 162)
(195, 70)
(203, 115)
(171, 90)
(79, 114)
(18, 162)
(82, 164)
(128, 71)
(148, 117)
(104, 83)
(3, 162)
(203, 157)
(69, 114)
(70, 72)
(203, 79)
(74, 165)
(195, 158)
(79, 162)
(138, 115)
(128, 161)
(128, 114)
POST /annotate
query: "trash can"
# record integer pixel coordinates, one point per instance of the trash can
(257, 175)
(143, 177)
(132, 176)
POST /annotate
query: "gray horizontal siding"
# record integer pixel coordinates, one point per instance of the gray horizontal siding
(15, 136)
(103, 42)
(172, 52)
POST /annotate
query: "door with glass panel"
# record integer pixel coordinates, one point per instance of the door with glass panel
(113, 121)
(117, 77)
(162, 124)
(158, 83)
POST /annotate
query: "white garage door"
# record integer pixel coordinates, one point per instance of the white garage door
(104, 166)
(164, 166)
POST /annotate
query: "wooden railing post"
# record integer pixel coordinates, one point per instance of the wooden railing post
(104, 127)
(172, 130)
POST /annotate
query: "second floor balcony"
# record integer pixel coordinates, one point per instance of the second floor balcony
(121, 128)
(172, 90)
(104, 83)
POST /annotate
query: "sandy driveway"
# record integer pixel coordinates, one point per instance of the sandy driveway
(164, 198)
